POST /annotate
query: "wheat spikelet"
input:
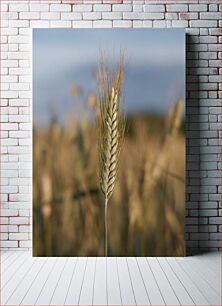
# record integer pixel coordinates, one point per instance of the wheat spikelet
(111, 128)
(111, 132)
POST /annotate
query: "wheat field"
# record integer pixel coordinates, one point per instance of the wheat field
(147, 209)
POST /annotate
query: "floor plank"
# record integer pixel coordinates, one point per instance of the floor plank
(10, 261)
(153, 290)
(212, 261)
(17, 278)
(208, 292)
(181, 292)
(74, 291)
(165, 287)
(49, 287)
(113, 285)
(190, 286)
(213, 279)
(21, 290)
(100, 285)
(5, 255)
(126, 289)
(37, 285)
(139, 288)
(62, 288)
(13, 269)
(86, 294)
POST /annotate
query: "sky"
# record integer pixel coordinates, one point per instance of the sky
(154, 68)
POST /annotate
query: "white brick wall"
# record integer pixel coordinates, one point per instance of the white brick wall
(201, 18)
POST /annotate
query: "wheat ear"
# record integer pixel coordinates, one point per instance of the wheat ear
(111, 132)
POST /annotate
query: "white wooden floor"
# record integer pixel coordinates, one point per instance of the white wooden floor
(27, 280)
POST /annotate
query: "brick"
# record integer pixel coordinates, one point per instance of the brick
(197, 7)
(18, 23)
(92, 16)
(60, 24)
(216, 16)
(121, 7)
(39, 23)
(112, 15)
(71, 16)
(204, 31)
(13, 47)
(19, 118)
(54, 15)
(138, 23)
(8, 228)
(20, 71)
(9, 173)
(147, 23)
(37, 7)
(102, 24)
(82, 8)
(213, 7)
(29, 15)
(8, 244)
(25, 244)
(122, 23)
(208, 39)
(102, 7)
(208, 205)
(161, 23)
(18, 236)
(4, 7)
(18, 7)
(24, 212)
(9, 63)
(215, 63)
(187, 16)
(154, 8)
(209, 228)
(215, 236)
(137, 7)
(9, 126)
(4, 236)
(171, 16)
(9, 142)
(177, 8)
(82, 24)
(199, 236)
(9, 15)
(203, 23)
(208, 212)
(9, 212)
(19, 102)
(180, 23)
(60, 8)
(135, 15)
(9, 31)
(216, 31)
(215, 220)
(24, 229)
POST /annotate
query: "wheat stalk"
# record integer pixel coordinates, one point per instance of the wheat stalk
(111, 131)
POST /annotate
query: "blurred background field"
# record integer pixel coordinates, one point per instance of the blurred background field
(147, 209)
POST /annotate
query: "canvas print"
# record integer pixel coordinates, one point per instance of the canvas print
(108, 142)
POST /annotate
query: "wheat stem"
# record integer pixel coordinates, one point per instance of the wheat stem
(106, 229)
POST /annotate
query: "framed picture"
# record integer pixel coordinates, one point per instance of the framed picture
(109, 142)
